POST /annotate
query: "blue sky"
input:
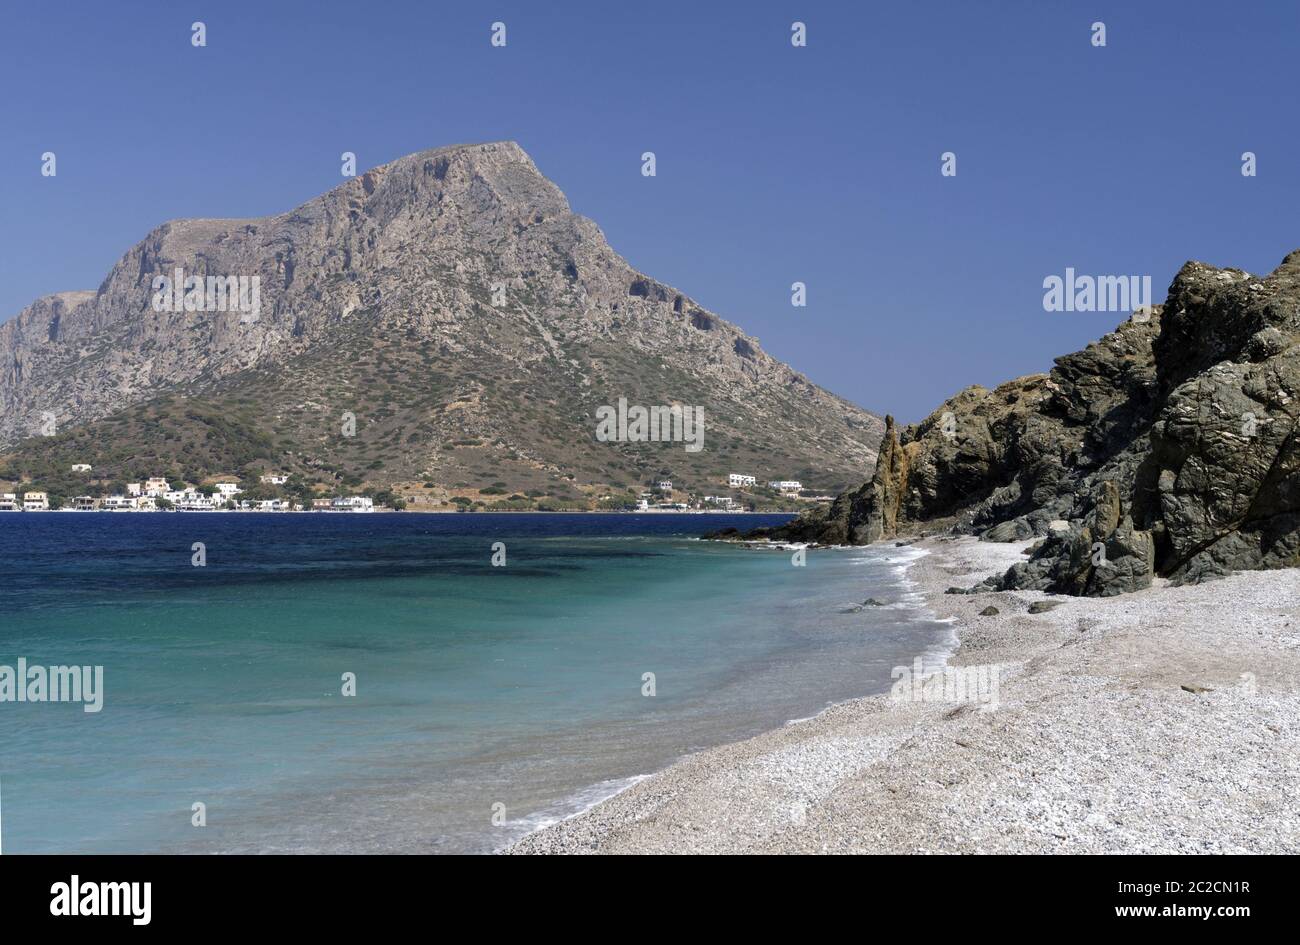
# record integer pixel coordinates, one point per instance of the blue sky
(775, 164)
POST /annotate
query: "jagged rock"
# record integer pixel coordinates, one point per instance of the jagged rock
(990, 611)
(1165, 448)
(1043, 606)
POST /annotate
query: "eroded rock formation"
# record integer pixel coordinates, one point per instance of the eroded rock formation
(1167, 447)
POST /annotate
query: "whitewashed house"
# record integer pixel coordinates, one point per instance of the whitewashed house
(81, 467)
(264, 505)
(9, 502)
(739, 481)
(191, 501)
(785, 485)
(36, 502)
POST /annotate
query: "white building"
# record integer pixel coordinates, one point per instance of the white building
(9, 502)
(722, 501)
(227, 489)
(785, 485)
(264, 505)
(118, 503)
(36, 502)
(83, 503)
(157, 486)
(354, 503)
(191, 501)
(665, 485)
(738, 481)
(133, 488)
(275, 479)
(81, 467)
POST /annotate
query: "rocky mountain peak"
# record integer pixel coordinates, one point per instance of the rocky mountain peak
(465, 258)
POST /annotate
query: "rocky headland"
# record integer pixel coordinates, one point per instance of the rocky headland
(1165, 449)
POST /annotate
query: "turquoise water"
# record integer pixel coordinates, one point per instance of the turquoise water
(518, 686)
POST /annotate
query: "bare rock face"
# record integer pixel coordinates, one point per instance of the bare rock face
(1168, 447)
(459, 270)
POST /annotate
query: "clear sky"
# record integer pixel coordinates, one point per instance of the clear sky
(775, 163)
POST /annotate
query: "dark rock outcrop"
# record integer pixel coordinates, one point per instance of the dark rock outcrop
(1168, 447)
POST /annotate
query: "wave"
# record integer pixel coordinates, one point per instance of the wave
(576, 803)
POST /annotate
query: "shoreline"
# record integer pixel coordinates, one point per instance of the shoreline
(582, 801)
(379, 510)
(1164, 721)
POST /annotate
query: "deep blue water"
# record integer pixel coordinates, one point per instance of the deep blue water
(519, 686)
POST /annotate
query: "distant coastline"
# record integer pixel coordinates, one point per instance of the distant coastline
(201, 490)
(408, 511)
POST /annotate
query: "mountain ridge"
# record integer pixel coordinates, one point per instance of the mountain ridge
(465, 255)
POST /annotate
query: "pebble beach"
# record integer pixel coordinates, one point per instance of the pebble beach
(1165, 721)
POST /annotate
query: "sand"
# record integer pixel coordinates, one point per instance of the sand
(1165, 721)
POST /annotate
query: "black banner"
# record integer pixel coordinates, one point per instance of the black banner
(144, 895)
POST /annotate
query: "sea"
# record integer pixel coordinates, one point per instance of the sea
(408, 683)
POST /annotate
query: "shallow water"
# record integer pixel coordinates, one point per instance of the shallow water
(480, 690)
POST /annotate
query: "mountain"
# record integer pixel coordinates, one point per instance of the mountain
(450, 302)
(1166, 448)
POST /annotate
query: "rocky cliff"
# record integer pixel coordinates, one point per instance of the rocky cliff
(454, 304)
(1168, 447)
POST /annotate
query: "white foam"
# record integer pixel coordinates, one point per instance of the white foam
(577, 803)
